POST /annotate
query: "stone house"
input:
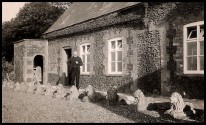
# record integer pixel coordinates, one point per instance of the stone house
(156, 47)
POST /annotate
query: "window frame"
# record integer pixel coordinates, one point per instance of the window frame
(109, 71)
(81, 55)
(185, 46)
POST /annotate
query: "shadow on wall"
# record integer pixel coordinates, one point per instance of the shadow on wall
(126, 88)
(150, 84)
(193, 86)
(56, 79)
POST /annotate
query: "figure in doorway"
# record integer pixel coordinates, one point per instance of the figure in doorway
(37, 75)
(74, 64)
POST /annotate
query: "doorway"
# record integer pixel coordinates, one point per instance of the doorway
(38, 69)
(68, 54)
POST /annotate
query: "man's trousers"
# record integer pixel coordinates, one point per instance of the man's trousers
(75, 74)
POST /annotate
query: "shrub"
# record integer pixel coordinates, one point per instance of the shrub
(7, 67)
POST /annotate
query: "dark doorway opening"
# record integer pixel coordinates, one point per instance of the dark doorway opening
(38, 68)
(69, 54)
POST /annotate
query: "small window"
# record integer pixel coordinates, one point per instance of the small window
(115, 63)
(194, 48)
(192, 33)
(85, 55)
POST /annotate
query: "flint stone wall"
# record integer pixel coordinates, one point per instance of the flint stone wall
(99, 78)
(179, 14)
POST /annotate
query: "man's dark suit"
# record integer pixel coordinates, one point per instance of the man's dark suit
(74, 64)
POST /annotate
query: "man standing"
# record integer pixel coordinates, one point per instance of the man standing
(74, 68)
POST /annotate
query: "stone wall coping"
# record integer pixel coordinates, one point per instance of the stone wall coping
(22, 40)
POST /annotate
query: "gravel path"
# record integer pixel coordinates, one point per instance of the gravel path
(26, 107)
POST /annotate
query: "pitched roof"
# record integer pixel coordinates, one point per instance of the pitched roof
(82, 11)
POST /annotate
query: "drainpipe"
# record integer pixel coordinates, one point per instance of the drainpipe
(58, 68)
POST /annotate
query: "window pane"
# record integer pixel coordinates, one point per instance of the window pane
(192, 48)
(192, 32)
(88, 67)
(83, 58)
(119, 55)
(201, 62)
(88, 58)
(88, 48)
(113, 44)
(83, 49)
(119, 66)
(83, 68)
(113, 66)
(192, 63)
(201, 47)
(119, 43)
(201, 31)
(112, 56)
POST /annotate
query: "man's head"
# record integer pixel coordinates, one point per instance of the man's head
(75, 53)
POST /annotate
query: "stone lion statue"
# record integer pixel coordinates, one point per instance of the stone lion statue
(178, 106)
(61, 92)
(73, 93)
(90, 92)
(91, 95)
(141, 100)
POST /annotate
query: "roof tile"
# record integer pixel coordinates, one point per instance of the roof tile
(82, 11)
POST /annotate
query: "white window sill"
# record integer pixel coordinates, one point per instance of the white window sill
(85, 74)
(194, 72)
(115, 74)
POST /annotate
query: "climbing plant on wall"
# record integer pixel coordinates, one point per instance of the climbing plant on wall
(157, 12)
(99, 79)
(148, 61)
(148, 52)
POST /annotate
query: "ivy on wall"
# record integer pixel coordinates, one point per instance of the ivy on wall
(52, 56)
(148, 52)
(158, 13)
(99, 55)
(99, 79)
(179, 14)
(149, 62)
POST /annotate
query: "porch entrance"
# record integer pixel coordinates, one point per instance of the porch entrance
(67, 75)
(38, 69)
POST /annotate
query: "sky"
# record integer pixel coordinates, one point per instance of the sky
(10, 10)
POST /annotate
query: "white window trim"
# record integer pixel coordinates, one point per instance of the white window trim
(81, 52)
(185, 40)
(109, 72)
